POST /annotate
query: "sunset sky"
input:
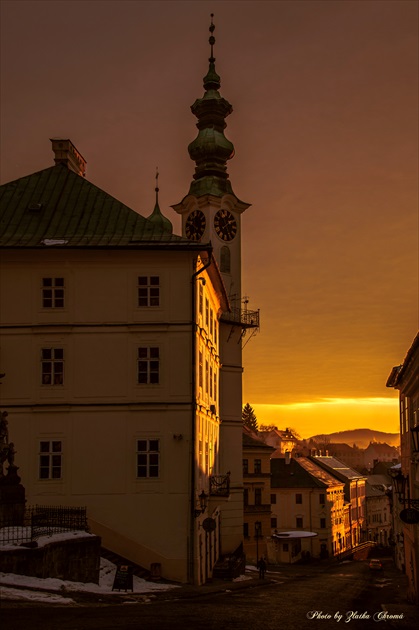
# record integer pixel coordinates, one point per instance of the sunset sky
(324, 124)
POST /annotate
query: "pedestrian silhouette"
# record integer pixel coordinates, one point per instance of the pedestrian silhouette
(262, 567)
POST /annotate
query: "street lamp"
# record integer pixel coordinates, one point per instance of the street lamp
(202, 503)
(258, 530)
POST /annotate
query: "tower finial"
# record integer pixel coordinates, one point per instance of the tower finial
(212, 80)
(212, 39)
(157, 185)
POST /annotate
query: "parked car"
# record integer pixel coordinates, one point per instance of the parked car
(375, 564)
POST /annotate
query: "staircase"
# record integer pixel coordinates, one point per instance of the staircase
(231, 565)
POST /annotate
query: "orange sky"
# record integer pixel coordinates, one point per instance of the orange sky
(325, 130)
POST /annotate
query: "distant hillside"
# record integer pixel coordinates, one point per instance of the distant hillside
(360, 437)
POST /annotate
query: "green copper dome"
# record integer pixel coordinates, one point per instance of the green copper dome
(160, 221)
(211, 149)
(156, 217)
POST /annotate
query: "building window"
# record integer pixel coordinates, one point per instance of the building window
(298, 498)
(246, 530)
(206, 377)
(258, 496)
(206, 313)
(201, 298)
(211, 381)
(299, 521)
(201, 371)
(258, 466)
(273, 499)
(53, 292)
(274, 522)
(285, 547)
(245, 466)
(215, 384)
(50, 459)
(246, 497)
(52, 366)
(322, 523)
(322, 499)
(148, 364)
(148, 458)
(148, 291)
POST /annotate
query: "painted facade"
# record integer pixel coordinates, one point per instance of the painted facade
(307, 499)
(121, 345)
(405, 378)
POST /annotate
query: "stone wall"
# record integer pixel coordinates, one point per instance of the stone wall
(76, 560)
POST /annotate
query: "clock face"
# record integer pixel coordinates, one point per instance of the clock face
(195, 225)
(225, 225)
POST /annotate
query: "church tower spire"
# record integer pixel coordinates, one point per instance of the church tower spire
(210, 211)
(211, 149)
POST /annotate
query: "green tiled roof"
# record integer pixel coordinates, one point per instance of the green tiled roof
(56, 207)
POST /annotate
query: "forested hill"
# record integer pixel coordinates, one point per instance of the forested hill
(360, 437)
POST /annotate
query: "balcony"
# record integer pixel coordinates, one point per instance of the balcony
(242, 317)
(220, 485)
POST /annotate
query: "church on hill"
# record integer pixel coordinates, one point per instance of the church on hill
(121, 345)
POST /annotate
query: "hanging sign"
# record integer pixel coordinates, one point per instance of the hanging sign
(123, 578)
(209, 524)
(409, 516)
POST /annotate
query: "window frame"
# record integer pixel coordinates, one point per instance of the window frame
(149, 365)
(55, 287)
(50, 458)
(52, 367)
(150, 458)
(147, 287)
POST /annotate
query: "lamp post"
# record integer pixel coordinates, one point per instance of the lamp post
(258, 529)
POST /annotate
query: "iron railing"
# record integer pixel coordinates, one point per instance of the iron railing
(220, 485)
(42, 520)
(242, 317)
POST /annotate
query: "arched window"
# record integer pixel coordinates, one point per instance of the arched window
(225, 264)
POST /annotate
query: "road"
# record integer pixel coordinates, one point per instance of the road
(300, 598)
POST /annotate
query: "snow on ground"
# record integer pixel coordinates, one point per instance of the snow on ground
(61, 587)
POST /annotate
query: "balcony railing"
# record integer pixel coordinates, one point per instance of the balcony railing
(242, 317)
(220, 485)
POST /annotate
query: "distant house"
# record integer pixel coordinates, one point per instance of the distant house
(378, 510)
(283, 440)
(306, 498)
(257, 495)
(379, 452)
(354, 492)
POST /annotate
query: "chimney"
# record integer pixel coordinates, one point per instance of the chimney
(287, 457)
(66, 153)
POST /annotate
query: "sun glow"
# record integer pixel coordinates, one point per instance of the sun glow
(332, 414)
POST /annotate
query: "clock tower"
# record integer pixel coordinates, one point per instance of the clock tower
(211, 213)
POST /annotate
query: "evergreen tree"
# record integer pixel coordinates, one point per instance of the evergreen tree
(249, 417)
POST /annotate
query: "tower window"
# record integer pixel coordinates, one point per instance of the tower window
(225, 259)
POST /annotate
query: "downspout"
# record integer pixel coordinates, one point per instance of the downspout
(193, 411)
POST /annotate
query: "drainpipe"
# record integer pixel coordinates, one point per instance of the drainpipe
(193, 411)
